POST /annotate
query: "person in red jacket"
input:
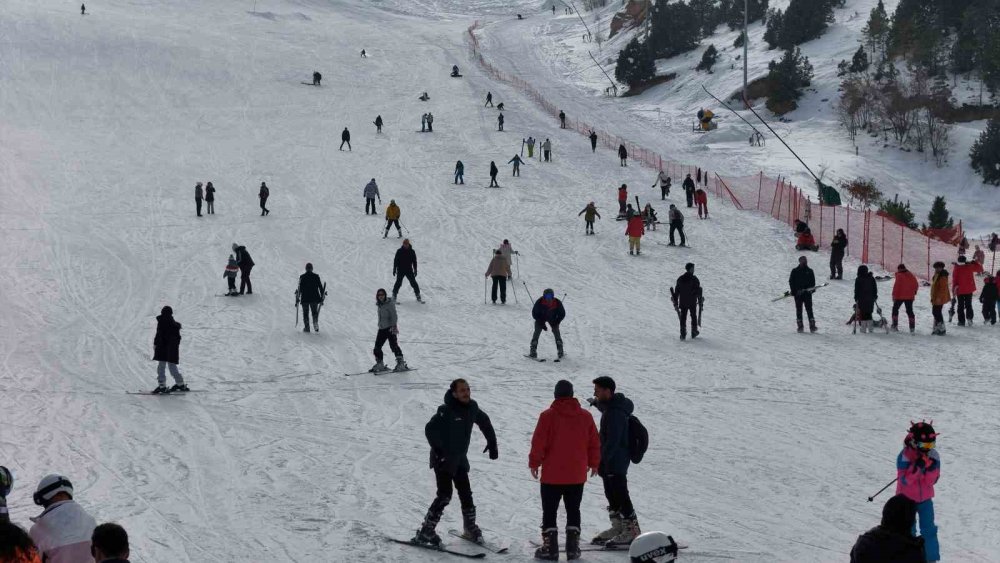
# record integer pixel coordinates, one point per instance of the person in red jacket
(963, 281)
(904, 291)
(622, 199)
(701, 199)
(564, 446)
(805, 241)
(635, 230)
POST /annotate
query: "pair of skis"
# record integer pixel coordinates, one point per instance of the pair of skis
(489, 546)
(802, 292)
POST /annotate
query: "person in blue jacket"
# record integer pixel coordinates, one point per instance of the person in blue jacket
(459, 172)
(548, 312)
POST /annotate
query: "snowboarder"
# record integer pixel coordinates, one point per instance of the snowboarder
(345, 137)
(454, 71)
(230, 274)
(701, 199)
(615, 410)
(940, 296)
(547, 311)
(262, 195)
(448, 434)
(988, 297)
(210, 198)
(317, 78)
(499, 270)
(430, 122)
(564, 445)
(622, 199)
(547, 150)
(918, 468)
(802, 284)
(664, 181)
(404, 265)
(493, 175)
(634, 230)
(459, 172)
(378, 123)
(531, 146)
(893, 539)
(562, 119)
(865, 296)
(904, 291)
(166, 351)
(589, 212)
(311, 295)
(623, 155)
(689, 188)
(392, 219)
(63, 531)
(246, 264)
(500, 122)
(686, 298)
(593, 141)
(963, 281)
(387, 331)
(198, 196)
(489, 99)
(805, 241)
(676, 223)
(837, 247)
(371, 192)
(517, 162)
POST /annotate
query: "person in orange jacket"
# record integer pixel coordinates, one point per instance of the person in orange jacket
(635, 230)
(963, 282)
(701, 199)
(904, 291)
(622, 199)
(940, 296)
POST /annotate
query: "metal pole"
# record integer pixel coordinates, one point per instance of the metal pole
(746, 41)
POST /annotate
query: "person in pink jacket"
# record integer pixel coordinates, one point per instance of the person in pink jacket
(918, 468)
(62, 531)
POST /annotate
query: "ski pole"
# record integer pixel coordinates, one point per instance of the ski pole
(517, 263)
(513, 290)
(485, 282)
(871, 498)
(526, 290)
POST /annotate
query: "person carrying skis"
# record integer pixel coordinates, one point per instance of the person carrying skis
(210, 198)
(689, 188)
(865, 296)
(940, 296)
(837, 247)
(634, 230)
(317, 78)
(589, 212)
(230, 274)
(686, 297)
(988, 297)
(371, 192)
(378, 123)
(166, 351)
(623, 155)
(963, 281)
(199, 195)
(564, 445)
(392, 219)
(593, 141)
(246, 264)
(562, 119)
(547, 150)
(459, 172)
(802, 284)
(530, 142)
(904, 291)
(311, 295)
(493, 175)
(387, 331)
(500, 122)
(664, 181)
(701, 200)
(918, 468)
(615, 410)
(345, 137)
(404, 265)
(262, 195)
(622, 199)
(547, 311)
(517, 162)
(676, 221)
(893, 539)
(489, 99)
(499, 270)
(448, 433)
(430, 122)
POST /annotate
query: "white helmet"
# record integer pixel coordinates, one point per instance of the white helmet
(50, 486)
(653, 546)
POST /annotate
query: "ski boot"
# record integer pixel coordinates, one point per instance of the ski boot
(549, 550)
(630, 531)
(394, 294)
(316, 327)
(182, 387)
(694, 334)
(419, 300)
(426, 534)
(533, 355)
(379, 367)
(470, 530)
(306, 329)
(560, 355)
(400, 365)
(812, 325)
(800, 329)
(615, 529)
(160, 390)
(572, 543)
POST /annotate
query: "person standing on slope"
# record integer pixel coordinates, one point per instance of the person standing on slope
(489, 100)
(589, 213)
(517, 162)
(430, 122)
(865, 296)
(593, 141)
(392, 213)
(940, 296)
(210, 198)
(904, 291)
(230, 274)
(198, 196)
(459, 172)
(345, 137)
(802, 284)
(500, 122)
(564, 445)
(530, 142)
(664, 181)
(988, 297)
(689, 188)
(448, 433)
(166, 351)
(634, 230)
(623, 155)
(371, 192)
(262, 195)
(963, 280)
(499, 270)
(701, 199)
(387, 331)
(622, 199)
(837, 247)
(562, 119)
(246, 264)
(317, 78)
(686, 298)
(547, 150)
(892, 540)
(615, 409)
(378, 123)
(508, 253)
(918, 468)
(676, 223)
(547, 311)
(423, 123)
(404, 265)
(311, 295)
(493, 175)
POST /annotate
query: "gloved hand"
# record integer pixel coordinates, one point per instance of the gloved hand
(493, 451)
(921, 462)
(510, 278)
(394, 330)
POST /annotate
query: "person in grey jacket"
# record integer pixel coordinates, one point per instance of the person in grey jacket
(198, 196)
(387, 330)
(371, 192)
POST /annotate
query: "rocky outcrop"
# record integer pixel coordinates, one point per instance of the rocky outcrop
(635, 13)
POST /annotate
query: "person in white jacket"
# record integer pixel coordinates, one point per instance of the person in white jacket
(63, 530)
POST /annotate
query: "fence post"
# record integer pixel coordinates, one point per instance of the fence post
(883, 240)
(849, 230)
(760, 187)
(928, 258)
(902, 242)
(821, 222)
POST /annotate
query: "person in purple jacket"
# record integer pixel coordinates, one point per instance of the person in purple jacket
(918, 468)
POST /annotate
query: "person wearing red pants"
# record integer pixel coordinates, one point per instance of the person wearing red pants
(701, 199)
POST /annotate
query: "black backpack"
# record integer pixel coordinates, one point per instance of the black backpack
(638, 439)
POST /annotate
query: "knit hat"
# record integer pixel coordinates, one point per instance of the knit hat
(549, 291)
(961, 259)
(167, 311)
(689, 266)
(563, 389)
(899, 514)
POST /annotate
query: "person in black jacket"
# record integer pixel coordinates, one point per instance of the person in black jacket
(404, 265)
(801, 284)
(623, 155)
(311, 295)
(615, 409)
(837, 247)
(378, 123)
(988, 297)
(547, 311)
(493, 175)
(865, 296)
(562, 119)
(593, 141)
(500, 122)
(892, 540)
(166, 351)
(317, 78)
(345, 137)
(686, 297)
(448, 433)
(245, 262)
(689, 188)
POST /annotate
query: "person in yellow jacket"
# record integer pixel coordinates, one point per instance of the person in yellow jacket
(392, 218)
(940, 296)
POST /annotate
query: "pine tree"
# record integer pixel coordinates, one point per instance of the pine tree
(898, 211)
(756, 9)
(674, 29)
(708, 16)
(876, 33)
(805, 20)
(708, 59)
(939, 218)
(985, 153)
(775, 23)
(787, 78)
(740, 39)
(635, 64)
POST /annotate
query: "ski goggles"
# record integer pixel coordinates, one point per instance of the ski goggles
(925, 446)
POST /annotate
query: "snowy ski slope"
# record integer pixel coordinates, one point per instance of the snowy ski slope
(765, 443)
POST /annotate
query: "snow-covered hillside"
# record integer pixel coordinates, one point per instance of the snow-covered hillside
(764, 443)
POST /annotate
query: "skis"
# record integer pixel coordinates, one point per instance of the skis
(806, 290)
(379, 372)
(488, 545)
(150, 393)
(438, 548)
(540, 360)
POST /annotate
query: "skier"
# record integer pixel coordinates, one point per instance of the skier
(508, 252)
(547, 150)
(988, 297)
(517, 162)
(994, 242)
(893, 539)
(198, 196)
(230, 274)
(109, 544)
(547, 311)
(489, 99)
(701, 199)
(616, 409)
(698, 175)
(500, 122)
(653, 547)
(904, 291)
(805, 241)
(311, 295)
(634, 230)
(664, 181)
(493, 174)
(423, 123)
(371, 192)
(209, 198)
(263, 194)
(940, 296)
(459, 172)
(676, 221)
(392, 219)
(590, 212)
(593, 141)
(800, 227)
(623, 155)
(531, 146)
(686, 297)
(364, 55)
(918, 468)
(345, 137)
(801, 284)
(688, 186)
(430, 122)
(166, 351)
(317, 77)
(564, 445)
(499, 270)
(246, 264)
(62, 532)
(83, 9)
(865, 296)
(963, 281)
(378, 123)
(837, 247)
(404, 265)
(387, 331)
(562, 119)
(622, 199)
(448, 434)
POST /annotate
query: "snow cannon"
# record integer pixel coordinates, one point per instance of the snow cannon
(705, 122)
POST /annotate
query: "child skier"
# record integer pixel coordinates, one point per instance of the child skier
(918, 468)
(230, 274)
(988, 297)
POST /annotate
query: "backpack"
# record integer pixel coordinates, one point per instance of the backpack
(638, 439)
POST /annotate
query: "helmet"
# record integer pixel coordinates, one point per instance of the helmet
(653, 547)
(50, 486)
(6, 481)
(922, 433)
